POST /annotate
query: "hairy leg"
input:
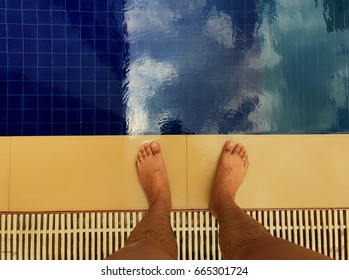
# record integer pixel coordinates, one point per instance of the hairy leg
(241, 236)
(153, 237)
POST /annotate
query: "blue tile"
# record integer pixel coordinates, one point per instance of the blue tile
(44, 129)
(32, 5)
(14, 129)
(13, 4)
(30, 17)
(14, 16)
(45, 116)
(44, 17)
(30, 129)
(14, 30)
(3, 129)
(3, 46)
(30, 117)
(44, 4)
(15, 116)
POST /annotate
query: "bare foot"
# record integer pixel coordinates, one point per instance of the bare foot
(230, 174)
(152, 174)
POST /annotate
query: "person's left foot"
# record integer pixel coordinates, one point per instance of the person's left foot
(152, 174)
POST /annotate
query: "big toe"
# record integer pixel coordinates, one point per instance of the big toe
(155, 147)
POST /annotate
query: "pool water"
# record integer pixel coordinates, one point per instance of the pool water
(116, 67)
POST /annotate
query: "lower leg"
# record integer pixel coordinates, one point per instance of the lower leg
(153, 237)
(240, 236)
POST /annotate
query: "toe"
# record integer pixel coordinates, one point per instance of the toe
(143, 152)
(148, 150)
(155, 147)
(237, 149)
(229, 147)
(242, 152)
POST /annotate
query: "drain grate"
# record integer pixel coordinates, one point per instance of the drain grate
(90, 236)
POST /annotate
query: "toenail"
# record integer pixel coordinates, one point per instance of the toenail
(230, 144)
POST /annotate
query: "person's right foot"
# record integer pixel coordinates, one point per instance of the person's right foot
(230, 174)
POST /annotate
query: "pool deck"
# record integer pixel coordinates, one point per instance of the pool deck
(97, 173)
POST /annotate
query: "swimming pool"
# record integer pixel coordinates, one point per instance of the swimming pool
(116, 67)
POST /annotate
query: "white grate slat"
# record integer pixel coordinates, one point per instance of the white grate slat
(96, 235)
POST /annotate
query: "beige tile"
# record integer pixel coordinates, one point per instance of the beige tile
(5, 146)
(88, 173)
(288, 171)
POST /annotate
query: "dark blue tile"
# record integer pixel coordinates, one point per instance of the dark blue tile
(30, 87)
(15, 116)
(44, 46)
(87, 19)
(59, 116)
(115, 129)
(87, 5)
(3, 100)
(59, 46)
(88, 102)
(45, 103)
(45, 60)
(3, 45)
(116, 115)
(87, 60)
(102, 129)
(30, 102)
(14, 129)
(2, 4)
(44, 31)
(59, 102)
(73, 46)
(2, 31)
(14, 16)
(73, 116)
(15, 101)
(15, 59)
(44, 17)
(15, 87)
(102, 73)
(58, 17)
(87, 32)
(87, 115)
(101, 115)
(73, 5)
(45, 116)
(87, 129)
(73, 60)
(101, 5)
(102, 101)
(30, 17)
(3, 60)
(44, 4)
(30, 116)
(102, 88)
(44, 129)
(31, 45)
(58, 32)
(59, 129)
(88, 74)
(44, 74)
(74, 103)
(3, 116)
(15, 45)
(30, 129)
(87, 88)
(73, 129)
(59, 60)
(2, 17)
(30, 31)
(30, 60)
(115, 101)
(59, 74)
(3, 128)
(73, 74)
(14, 4)
(30, 5)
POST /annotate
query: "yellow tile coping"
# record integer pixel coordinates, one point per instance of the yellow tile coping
(98, 172)
(5, 147)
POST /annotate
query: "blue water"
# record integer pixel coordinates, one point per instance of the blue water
(113, 67)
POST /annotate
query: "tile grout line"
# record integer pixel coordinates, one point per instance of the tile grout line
(9, 176)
